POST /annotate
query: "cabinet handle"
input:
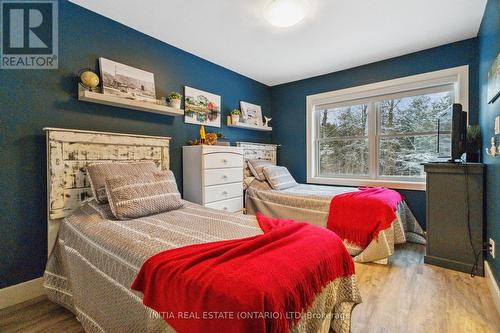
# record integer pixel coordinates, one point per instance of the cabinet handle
(225, 208)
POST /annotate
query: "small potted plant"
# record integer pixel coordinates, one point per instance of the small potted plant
(473, 143)
(174, 100)
(235, 116)
(222, 140)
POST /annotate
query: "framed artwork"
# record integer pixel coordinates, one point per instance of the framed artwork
(128, 82)
(201, 107)
(494, 80)
(251, 113)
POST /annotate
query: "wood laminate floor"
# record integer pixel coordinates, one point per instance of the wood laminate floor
(404, 296)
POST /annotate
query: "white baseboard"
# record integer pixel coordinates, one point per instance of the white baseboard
(492, 285)
(21, 292)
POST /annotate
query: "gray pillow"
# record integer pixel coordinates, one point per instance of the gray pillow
(257, 166)
(260, 185)
(99, 172)
(279, 177)
(133, 197)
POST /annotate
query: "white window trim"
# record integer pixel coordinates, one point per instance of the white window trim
(458, 76)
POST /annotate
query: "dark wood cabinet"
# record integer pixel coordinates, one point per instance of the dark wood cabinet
(448, 243)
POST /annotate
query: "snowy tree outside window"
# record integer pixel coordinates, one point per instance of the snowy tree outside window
(405, 135)
(343, 141)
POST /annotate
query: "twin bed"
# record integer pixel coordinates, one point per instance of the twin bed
(95, 257)
(311, 203)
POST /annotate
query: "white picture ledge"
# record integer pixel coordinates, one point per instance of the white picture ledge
(251, 127)
(94, 97)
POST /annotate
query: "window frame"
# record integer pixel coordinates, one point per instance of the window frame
(350, 138)
(457, 76)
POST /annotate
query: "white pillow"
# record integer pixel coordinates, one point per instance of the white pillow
(279, 177)
(257, 166)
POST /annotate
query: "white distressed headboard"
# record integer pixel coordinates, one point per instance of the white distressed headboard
(258, 151)
(69, 151)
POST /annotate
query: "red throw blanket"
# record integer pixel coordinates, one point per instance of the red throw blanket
(256, 284)
(359, 217)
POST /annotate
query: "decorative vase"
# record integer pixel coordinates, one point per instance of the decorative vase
(175, 103)
(472, 155)
(235, 118)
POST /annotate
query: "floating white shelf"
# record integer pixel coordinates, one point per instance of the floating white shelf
(251, 127)
(94, 97)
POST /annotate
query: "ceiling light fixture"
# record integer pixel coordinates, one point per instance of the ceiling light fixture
(285, 13)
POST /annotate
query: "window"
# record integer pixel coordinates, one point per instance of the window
(343, 141)
(380, 134)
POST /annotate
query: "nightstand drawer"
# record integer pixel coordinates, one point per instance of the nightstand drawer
(223, 176)
(222, 160)
(231, 205)
(222, 192)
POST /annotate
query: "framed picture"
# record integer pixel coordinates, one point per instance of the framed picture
(494, 80)
(201, 107)
(127, 82)
(251, 113)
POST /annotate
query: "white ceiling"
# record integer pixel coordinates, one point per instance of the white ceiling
(335, 35)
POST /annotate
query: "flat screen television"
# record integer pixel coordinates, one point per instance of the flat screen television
(452, 130)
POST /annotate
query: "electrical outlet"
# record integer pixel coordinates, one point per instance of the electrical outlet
(492, 248)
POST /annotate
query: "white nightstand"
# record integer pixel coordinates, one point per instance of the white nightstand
(213, 176)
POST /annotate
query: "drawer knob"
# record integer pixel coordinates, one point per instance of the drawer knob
(224, 176)
(225, 208)
(224, 192)
(224, 161)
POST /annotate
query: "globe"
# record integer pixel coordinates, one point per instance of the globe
(89, 79)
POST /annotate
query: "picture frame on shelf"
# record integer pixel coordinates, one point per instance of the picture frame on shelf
(251, 114)
(201, 107)
(128, 82)
(494, 80)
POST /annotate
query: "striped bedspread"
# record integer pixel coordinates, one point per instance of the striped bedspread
(97, 257)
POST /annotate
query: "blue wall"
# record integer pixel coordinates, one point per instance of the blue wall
(489, 47)
(33, 99)
(289, 100)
